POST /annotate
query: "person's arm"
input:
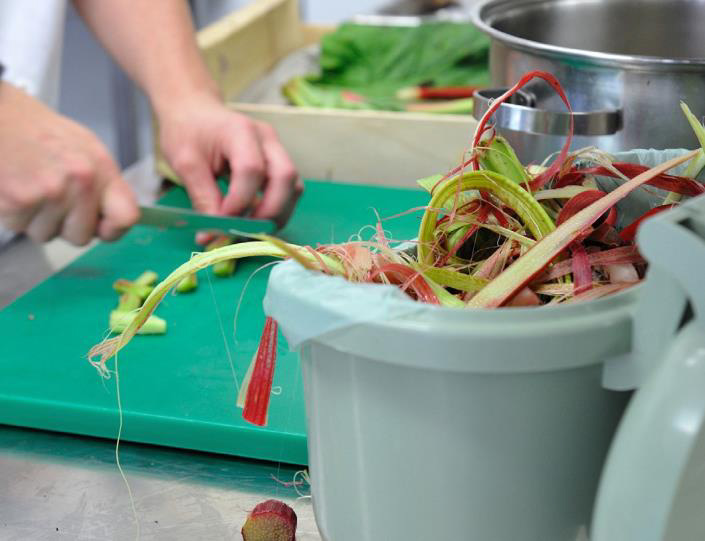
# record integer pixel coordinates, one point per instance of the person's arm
(56, 177)
(153, 40)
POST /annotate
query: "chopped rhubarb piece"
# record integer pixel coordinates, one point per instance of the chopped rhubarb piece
(271, 520)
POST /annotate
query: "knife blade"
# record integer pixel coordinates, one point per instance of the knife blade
(174, 217)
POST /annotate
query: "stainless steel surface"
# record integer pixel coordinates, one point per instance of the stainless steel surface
(58, 486)
(525, 117)
(163, 216)
(638, 56)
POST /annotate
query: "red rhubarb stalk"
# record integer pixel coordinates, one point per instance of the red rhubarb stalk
(606, 234)
(628, 233)
(258, 392)
(436, 92)
(578, 202)
(672, 183)
(482, 127)
(544, 177)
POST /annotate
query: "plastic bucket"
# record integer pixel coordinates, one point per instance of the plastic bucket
(493, 425)
(450, 424)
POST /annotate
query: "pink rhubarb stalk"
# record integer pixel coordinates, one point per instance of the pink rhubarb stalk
(408, 278)
(582, 270)
(601, 291)
(615, 256)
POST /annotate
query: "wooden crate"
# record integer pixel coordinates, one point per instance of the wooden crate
(392, 148)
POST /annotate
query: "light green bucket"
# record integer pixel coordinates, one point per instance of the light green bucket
(433, 423)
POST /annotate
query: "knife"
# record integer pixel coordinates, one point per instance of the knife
(174, 217)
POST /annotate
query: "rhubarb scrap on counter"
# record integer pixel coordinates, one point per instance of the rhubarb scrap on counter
(272, 520)
(222, 268)
(132, 295)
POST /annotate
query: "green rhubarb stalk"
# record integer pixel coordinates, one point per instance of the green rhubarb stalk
(106, 349)
(125, 286)
(428, 183)
(695, 166)
(457, 235)
(128, 302)
(698, 128)
(141, 287)
(457, 231)
(455, 279)
(187, 284)
(133, 293)
(512, 279)
(223, 268)
(567, 192)
(147, 278)
(692, 171)
(530, 212)
(445, 298)
(511, 235)
(119, 321)
(500, 157)
(294, 92)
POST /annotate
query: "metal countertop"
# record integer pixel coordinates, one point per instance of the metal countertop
(60, 486)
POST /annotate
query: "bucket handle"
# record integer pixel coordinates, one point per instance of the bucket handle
(660, 428)
(519, 113)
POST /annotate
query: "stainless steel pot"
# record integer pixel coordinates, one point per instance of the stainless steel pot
(625, 66)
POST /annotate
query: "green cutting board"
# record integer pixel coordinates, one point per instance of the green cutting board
(177, 389)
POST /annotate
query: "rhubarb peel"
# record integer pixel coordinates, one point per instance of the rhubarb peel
(523, 270)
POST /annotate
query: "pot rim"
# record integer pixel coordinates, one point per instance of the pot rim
(481, 11)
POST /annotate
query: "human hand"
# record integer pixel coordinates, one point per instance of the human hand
(200, 136)
(56, 177)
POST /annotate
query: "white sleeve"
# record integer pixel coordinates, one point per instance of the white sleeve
(31, 35)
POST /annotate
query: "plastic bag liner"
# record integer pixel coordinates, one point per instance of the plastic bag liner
(324, 303)
(329, 303)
